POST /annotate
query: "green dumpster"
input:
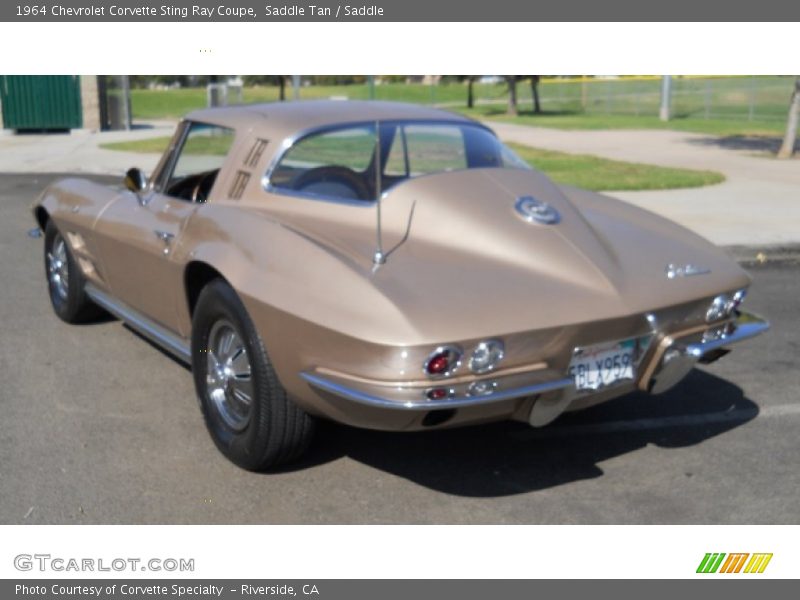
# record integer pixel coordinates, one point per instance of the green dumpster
(41, 102)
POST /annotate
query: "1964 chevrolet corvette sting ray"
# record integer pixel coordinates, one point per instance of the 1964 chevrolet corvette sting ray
(386, 266)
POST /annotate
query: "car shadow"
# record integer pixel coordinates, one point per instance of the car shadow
(759, 144)
(505, 459)
(508, 458)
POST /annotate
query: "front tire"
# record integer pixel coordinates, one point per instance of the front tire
(247, 411)
(65, 280)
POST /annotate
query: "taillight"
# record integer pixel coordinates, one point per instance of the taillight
(442, 362)
(736, 300)
(486, 356)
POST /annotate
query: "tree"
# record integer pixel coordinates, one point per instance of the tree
(470, 91)
(511, 80)
(279, 80)
(787, 148)
(282, 87)
(537, 107)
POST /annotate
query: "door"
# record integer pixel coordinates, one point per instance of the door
(137, 234)
(135, 240)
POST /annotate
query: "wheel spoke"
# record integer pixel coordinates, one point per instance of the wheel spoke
(229, 381)
(58, 267)
(225, 344)
(239, 363)
(243, 390)
(212, 361)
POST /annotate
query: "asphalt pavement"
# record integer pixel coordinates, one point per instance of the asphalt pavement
(99, 426)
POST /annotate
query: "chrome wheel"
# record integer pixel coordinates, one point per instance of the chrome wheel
(229, 381)
(58, 267)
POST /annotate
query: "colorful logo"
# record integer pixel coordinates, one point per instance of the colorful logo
(734, 563)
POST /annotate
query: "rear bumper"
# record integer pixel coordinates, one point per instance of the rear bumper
(677, 354)
(746, 326)
(416, 401)
(380, 404)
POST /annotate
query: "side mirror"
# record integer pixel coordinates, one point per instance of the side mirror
(135, 180)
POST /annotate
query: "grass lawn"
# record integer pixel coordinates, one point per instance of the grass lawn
(588, 172)
(173, 104)
(721, 127)
(601, 174)
(155, 145)
(732, 106)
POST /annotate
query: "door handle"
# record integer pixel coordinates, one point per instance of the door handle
(164, 236)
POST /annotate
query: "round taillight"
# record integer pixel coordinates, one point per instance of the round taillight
(486, 356)
(718, 309)
(442, 362)
(736, 300)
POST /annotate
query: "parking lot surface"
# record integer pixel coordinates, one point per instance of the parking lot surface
(99, 426)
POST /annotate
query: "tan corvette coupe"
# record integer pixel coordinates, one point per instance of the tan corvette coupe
(386, 266)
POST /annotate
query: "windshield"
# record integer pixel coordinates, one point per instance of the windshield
(339, 163)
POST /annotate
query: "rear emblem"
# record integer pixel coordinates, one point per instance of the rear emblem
(536, 211)
(674, 271)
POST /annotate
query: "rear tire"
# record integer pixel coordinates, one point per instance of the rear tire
(247, 411)
(65, 280)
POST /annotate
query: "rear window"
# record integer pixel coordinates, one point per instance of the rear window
(339, 164)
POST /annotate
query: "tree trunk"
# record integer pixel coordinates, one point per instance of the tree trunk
(512, 95)
(537, 107)
(282, 87)
(787, 148)
(470, 96)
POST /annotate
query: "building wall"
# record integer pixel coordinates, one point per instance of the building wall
(90, 102)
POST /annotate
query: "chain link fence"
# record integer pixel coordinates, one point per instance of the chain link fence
(747, 98)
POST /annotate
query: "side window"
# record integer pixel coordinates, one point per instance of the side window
(332, 164)
(198, 162)
(397, 161)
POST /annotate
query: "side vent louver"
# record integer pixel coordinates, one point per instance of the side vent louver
(239, 183)
(252, 158)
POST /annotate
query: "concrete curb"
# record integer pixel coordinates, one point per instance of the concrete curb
(756, 256)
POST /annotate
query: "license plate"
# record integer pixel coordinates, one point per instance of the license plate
(603, 365)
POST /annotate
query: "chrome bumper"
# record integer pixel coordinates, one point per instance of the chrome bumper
(671, 361)
(745, 326)
(367, 398)
(677, 355)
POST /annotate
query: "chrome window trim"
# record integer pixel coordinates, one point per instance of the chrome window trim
(289, 142)
(164, 169)
(167, 165)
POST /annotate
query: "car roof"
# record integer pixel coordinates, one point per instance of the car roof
(282, 119)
